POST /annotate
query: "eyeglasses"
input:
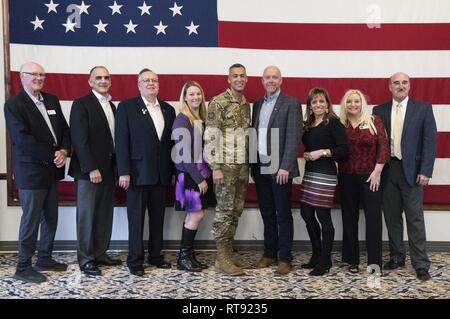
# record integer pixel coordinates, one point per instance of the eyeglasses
(35, 74)
(147, 81)
(99, 78)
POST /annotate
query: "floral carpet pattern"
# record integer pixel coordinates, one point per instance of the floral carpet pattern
(117, 283)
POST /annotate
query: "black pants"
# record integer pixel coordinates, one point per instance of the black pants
(355, 190)
(40, 208)
(275, 206)
(139, 199)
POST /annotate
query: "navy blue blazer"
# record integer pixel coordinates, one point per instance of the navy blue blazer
(418, 137)
(91, 138)
(139, 152)
(33, 145)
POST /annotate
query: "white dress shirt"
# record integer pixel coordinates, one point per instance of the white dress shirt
(156, 114)
(39, 102)
(104, 102)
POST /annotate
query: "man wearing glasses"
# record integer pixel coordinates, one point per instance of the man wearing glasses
(94, 169)
(145, 169)
(40, 141)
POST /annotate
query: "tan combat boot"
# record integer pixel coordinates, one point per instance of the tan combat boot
(224, 262)
(237, 260)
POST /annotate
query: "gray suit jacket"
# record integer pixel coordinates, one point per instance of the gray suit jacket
(287, 118)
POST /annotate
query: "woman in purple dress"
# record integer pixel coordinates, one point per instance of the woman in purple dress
(193, 189)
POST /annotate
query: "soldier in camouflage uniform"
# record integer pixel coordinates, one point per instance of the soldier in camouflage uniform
(226, 150)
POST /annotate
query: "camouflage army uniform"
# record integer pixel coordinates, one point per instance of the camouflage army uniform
(224, 115)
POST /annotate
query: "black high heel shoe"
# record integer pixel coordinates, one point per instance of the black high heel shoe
(320, 270)
(311, 263)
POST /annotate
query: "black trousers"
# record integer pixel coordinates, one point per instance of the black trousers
(95, 210)
(140, 199)
(275, 206)
(40, 209)
(355, 190)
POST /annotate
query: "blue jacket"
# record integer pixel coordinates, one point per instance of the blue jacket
(418, 137)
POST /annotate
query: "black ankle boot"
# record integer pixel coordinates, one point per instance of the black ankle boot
(316, 245)
(320, 270)
(313, 261)
(187, 245)
(197, 262)
(185, 262)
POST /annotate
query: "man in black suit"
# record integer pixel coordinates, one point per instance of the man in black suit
(93, 167)
(412, 130)
(145, 168)
(277, 118)
(40, 141)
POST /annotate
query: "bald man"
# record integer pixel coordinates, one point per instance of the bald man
(277, 118)
(40, 141)
(411, 126)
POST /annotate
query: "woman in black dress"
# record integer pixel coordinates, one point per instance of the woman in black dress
(325, 142)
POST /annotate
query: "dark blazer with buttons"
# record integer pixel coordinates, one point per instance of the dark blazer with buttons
(287, 118)
(91, 138)
(33, 145)
(139, 152)
(418, 137)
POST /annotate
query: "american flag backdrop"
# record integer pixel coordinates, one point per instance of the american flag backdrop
(334, 44)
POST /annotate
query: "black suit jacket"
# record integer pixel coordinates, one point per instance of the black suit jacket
(33, 145)
(91, 138)
(287, 118)
(419, 137)
(139, 152)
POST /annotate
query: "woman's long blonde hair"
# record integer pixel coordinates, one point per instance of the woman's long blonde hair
(184, 108)
(366, 119)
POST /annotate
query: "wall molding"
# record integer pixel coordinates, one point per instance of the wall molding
(299, 245)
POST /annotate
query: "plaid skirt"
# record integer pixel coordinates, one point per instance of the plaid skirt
(318, 189)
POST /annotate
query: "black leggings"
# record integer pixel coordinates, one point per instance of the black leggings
(323, 214)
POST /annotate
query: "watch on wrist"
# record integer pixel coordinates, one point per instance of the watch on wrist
(324, 153)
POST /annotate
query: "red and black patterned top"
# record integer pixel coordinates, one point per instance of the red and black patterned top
(365, 150)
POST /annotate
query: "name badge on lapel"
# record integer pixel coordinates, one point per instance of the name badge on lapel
(51, 112)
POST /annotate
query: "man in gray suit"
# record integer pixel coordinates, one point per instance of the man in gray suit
(277, 118)
(412, 130)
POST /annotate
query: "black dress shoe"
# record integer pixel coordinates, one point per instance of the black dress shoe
(423, 274)
(108, 261)
(138, 271)
(90, 269)
(161, 264)
(29, 275)
(392, 264)
(49, 264)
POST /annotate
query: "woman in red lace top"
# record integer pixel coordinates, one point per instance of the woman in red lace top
(360, 177)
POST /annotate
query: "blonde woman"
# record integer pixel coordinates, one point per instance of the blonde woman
(360, 177)
(193, 190)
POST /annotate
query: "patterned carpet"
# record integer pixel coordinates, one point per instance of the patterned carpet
(117, 283)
